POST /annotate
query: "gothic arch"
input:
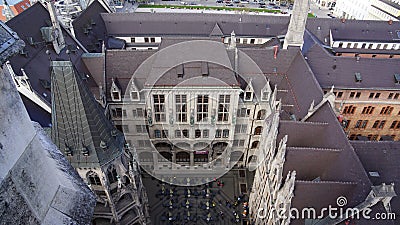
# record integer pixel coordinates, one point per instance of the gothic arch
(254, 144)
(123, 201)
(182, 157)
(261, 114)
(258, 130)
(93, 178)
(112, 174)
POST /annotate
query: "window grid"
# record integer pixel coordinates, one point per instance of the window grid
(181, 108)
(159, 108)
(202, 108)
(223, 108)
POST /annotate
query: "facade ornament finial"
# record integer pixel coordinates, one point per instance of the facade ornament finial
(311, 106)
(232, 41)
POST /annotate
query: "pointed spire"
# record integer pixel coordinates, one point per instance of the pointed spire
(79, 121)
(58, 37)
(9, 14)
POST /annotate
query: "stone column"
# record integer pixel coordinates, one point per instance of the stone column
(191, 158)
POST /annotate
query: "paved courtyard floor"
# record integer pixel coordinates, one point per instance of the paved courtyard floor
(222, 201)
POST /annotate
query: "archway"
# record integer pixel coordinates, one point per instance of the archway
(182, 157)
(166, 155)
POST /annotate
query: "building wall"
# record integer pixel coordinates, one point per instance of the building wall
(366, 10)
(244, 125)
(379, 99)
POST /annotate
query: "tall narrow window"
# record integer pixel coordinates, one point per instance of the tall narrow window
(225, 133)
(202, 108)
(223, 107)
(159, 108)
(181, 108)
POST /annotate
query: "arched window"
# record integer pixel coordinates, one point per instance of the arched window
(254, 144)
(182, 157)
(261, 114)
(258, 130)
(93, 178)
(166, 155)
(112, 174)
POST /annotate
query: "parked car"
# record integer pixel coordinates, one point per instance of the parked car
(220, 1)
(229, 4)
(277, 7)
(261, 3)
(262, 6)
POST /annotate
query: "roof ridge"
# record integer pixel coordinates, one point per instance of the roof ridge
(304, 122)
(326, 182)
(317, 148)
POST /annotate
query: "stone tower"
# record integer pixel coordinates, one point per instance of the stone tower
(297, 25)
(96, 149)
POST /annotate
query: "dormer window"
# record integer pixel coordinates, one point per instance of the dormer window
(248, 96)
(265, 95)
(134, 91)
(116, 96)
(134, 95)
(115, 91)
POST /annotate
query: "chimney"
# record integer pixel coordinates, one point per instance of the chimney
(276, 48)
(343, 20)
(390, 22)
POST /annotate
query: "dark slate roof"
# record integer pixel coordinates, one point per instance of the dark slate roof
(78, 120)
(294, 79)
(196, 24)
(90, 18)
(382, 157)
(318, 160)
(331, 163)
(353, 30)
(192, 76)
(37, 62)
(340, 71)
(123, 64)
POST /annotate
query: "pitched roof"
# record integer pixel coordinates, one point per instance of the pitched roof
(340, 71)
(36, 62)
(79, 123)
(89, 27)
(184, 24)
(382, 157)
(216, 31)
(353, 30)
